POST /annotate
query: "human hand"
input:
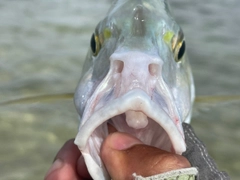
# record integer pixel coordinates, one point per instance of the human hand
(68, 164)
(122, 155)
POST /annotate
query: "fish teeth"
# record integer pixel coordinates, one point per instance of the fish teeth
(136, 119)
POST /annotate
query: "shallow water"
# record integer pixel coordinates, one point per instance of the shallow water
(42, 48)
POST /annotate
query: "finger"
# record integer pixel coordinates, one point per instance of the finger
(65, 164)
(124, 155)
(82, 169)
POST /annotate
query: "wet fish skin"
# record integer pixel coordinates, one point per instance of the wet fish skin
(134, 79)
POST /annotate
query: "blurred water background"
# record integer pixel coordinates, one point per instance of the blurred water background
(43, 44)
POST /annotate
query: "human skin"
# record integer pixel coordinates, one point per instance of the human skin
(122, 155)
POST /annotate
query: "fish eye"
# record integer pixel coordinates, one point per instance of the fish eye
(95, 44)
(181, 51)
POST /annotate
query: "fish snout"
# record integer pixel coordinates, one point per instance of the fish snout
(133, 70)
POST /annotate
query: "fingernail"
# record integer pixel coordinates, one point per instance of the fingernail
(57, 164)
(122, 141)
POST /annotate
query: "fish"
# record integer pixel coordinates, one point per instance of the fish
(137, 78)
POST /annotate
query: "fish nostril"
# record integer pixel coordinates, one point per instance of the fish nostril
(153, 69)
(118, 66)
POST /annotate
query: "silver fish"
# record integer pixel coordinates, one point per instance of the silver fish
(137, 78)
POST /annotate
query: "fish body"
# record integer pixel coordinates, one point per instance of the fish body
(137, 78)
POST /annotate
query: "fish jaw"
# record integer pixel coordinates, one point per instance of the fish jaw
(134, 99)
(94, 131)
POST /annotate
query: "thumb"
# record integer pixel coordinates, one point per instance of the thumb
(124, 155)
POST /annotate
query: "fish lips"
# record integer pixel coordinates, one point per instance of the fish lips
(135, 100)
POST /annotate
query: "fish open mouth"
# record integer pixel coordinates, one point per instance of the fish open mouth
(133, 113)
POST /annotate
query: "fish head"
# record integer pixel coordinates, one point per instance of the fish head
(137, 78)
